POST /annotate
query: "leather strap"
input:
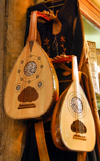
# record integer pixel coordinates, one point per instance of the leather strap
(41, 142)
(81, 156)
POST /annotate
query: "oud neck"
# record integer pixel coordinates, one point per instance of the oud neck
(75, 76)
(33, 27)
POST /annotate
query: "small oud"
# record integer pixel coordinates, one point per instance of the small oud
(72, 124)
(32, 87)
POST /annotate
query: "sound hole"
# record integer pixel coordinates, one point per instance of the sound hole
(18, 87)
(30, 68)
(76, 105)
(40, 84)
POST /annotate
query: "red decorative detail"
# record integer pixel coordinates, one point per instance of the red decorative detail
(46, 15)
(62, 59)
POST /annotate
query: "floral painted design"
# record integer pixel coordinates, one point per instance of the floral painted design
(62, 45)
(55, 44)
(47, 45)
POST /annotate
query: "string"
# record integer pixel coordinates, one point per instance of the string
(75, 78)
(55, 45)
(26, 62)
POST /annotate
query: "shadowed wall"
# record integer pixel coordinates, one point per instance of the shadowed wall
(12, 30)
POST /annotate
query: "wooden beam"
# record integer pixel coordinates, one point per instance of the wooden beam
(90, 11)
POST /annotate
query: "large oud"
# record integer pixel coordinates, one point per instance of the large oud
(72, 124)
(32, 87)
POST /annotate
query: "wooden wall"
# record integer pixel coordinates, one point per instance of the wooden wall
(12, 30)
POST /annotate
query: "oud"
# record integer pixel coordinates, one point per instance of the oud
(32, 87)
(72, 124)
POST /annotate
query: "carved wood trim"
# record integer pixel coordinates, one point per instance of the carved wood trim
(90, 11)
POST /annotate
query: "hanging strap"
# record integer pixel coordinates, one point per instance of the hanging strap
(81, 156)
(41, 142)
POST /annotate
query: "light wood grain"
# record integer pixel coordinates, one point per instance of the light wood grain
(44, 74)
(72, 123)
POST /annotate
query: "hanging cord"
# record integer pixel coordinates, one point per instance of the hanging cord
(55, 43)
